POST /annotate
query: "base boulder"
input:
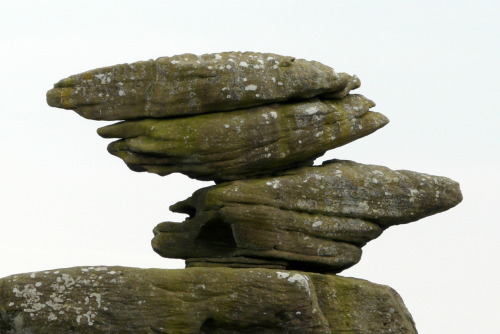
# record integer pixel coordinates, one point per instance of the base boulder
(196, 300)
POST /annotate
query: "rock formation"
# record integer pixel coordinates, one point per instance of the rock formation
(188, 84)
(262, 246)
(314, 218)
(243, 143)
(103, 300)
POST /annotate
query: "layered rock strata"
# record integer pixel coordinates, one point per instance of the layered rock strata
(118, 300)
(314, 218)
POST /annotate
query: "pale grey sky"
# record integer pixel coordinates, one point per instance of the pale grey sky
(431, 67)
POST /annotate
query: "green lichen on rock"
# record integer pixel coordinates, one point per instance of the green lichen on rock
(118, 300)
(243, 143)
(190, 84)
(313, 218)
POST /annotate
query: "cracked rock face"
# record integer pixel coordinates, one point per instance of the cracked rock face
(94, 300)
(312, 218)
(243, 143)
(190, 84)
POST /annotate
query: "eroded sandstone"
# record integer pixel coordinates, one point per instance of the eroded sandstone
(243, 143)
(94, 300)
(190, 84)
(313, 218)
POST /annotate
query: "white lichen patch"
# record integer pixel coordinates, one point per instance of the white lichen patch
(282, 275)
(65, 293)
(104, 78)
(363, 206)
(97, 297)
(299, 279)
(30, 297)
(100, 268)
(317, 223)
(413, 193)
(311, 110)
(274, 183)
(251, 87)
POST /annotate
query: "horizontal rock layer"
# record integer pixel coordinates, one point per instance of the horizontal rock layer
(94, 300)
(243, 143)
(312, 218)
(191, 84)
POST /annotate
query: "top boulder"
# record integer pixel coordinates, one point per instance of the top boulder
(190, 84)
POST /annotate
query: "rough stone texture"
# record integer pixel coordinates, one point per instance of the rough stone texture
(313, 218)
(121, 300)
(243, 143)
(191, 84)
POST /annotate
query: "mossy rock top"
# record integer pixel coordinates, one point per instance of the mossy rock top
(190, 84)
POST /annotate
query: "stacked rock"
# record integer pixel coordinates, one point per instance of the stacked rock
(262, 244)
(254, 123)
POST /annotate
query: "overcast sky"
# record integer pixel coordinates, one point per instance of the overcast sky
(432, 67)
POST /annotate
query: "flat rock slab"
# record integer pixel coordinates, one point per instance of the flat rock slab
(312, 218)
(243, 143)
(191, 84)
(122, 300)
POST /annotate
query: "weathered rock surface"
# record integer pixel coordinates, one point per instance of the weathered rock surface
(121, 300)
(312, 218)
(191, 84)
(243, 143)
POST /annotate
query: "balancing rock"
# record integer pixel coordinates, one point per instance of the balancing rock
(243, 143)
(189, 84)
(263, 244)
(312, 218)
(118, 300)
